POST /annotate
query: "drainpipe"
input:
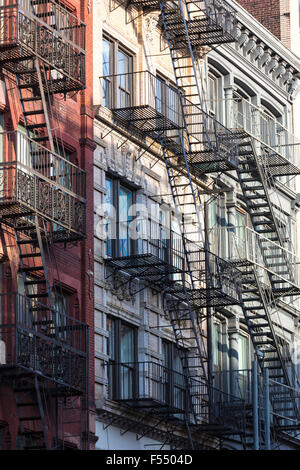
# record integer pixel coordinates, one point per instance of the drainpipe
(267, 410)
(233, 333)
(255, 406)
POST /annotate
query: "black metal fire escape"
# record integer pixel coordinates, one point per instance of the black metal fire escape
(259, 166)
(193, 146)
(45, 56)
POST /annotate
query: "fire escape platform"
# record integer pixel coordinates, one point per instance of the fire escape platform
(27, 35)
(274, 163)
(143, 265)
(203, 30)
(39, 181)
(204, 297)
(145, 119)
(42, 342)
(211, 160)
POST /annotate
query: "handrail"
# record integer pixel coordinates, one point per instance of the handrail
(263, 127)
(67, 26)
(37, 159)
(248, 247)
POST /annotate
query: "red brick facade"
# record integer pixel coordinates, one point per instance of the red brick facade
(74, 260)
(272, 14)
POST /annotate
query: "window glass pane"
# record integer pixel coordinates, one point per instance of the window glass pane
(127, 344)
(172, 114)
(166, 354)
(159, 95)
(240, 231)
(177, 251)
(125, 202)
(217, 346)
(106, 57)
(110, 215)
(111, 339)
(243, 352)
(124, 79)
(106, 71)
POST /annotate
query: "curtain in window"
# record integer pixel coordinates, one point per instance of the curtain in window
(125, 202)
(127, 358)
(106, 72)
(124, 80)
(110, 224)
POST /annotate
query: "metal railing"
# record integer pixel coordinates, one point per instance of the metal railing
(241, 114)
(153, 385)
(32, 175)
(57, 17)
(155, 108)
(212, 273)
(146, 101)
(284, 400)
(138, 237)
(43, 341)
(50, 32)
(222, 14)
(237, 243)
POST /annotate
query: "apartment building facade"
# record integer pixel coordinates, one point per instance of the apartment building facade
(46, 365)
(195, 265)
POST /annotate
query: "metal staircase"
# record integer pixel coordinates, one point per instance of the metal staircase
(31, 413)
(193, 146)
(47, 349)
(258, 305)
(256, 183)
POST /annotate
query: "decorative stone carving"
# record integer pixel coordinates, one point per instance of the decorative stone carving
(122, 288)
(265, 59)
(272, 65)
(151, 22)
(250, 46)
(258, 52)
(280, 70)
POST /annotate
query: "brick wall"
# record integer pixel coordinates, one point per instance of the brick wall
(267, 12)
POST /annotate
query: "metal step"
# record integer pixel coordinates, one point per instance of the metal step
(30, 418)
(32, 113)
(33, 268)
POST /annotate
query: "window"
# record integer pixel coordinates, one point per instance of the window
(177, 251)
(239, 249)
(174, 387)
(119, 200)
(117, 68)
(242, 111)
(217, 345)
(244, 382)
(62, 301)
(122, 346)
(167, 100)
(61, 171)
(212, 95)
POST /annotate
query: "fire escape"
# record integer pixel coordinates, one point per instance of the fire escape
(194, 144)
(42, 53)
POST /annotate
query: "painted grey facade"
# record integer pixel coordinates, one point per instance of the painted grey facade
(246, 85)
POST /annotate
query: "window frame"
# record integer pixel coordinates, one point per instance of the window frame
(171, 386)
(115, 373)
(113, 78)
(115, 241)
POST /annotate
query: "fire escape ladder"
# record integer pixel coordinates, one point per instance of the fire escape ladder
(256, 305)
(34, 105)
(31, 414)
(186, 74)
(33, 264)
(255, 185)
